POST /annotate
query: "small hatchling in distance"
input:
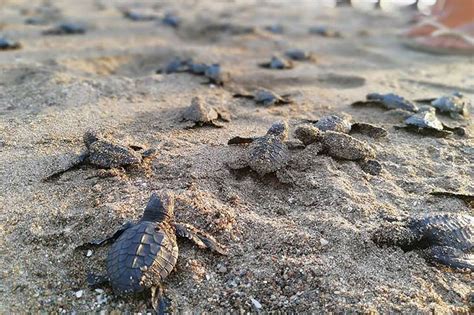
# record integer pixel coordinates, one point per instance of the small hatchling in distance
(426, 123)
(299, 55)
(266, 154)
(6, 44)
(199, 114)
(69, 28)
(325, 31)
(144, 253)
(277, 63)
(446, 238)
(175, 65)
(266, 97)
(216, 75)
(172, 20)
(104, 153)
(456, 104)
(387, 101)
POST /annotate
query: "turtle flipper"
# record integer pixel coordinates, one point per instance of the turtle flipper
(369, 130)
(107, 240)
(240, 140)
(158, 301)
(452, 257)
(200, 238)
(75, 164)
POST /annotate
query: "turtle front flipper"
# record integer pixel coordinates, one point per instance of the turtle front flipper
(75, 164)
(240, 140)
(452, 257)
(368, 130)
(200, 238)
(159, 302)
(107, 240)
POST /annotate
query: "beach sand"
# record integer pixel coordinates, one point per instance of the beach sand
(295, 247)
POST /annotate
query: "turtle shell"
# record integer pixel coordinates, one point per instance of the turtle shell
(333, 123)
(392, 101)
(105, 154)
(267, 155)
(425, 119)
(453, 230)
(141, 257)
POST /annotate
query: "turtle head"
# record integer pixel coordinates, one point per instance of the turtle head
(279, 129)
(90, 137)
(159, 208)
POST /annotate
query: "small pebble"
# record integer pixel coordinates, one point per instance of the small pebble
(89, 253)
(79, 293)
(256, 304)
(323, 242)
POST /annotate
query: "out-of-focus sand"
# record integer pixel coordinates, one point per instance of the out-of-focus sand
(56, 87)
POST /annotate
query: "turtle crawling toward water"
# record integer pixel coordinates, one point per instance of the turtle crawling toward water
(299, 55)
(199, 113)
(266, 154)
(340, 146)
(104, 153)
(387, 101)
(455, 104)
(444, 238)
(6, 44)
(426, 123)
(342, 123)
(277, 63)
(67, 28)
(144, 253)
(266, 97)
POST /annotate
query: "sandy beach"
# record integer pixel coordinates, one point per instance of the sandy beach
(293, 247)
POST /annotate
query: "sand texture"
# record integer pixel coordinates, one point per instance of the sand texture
(298, 241)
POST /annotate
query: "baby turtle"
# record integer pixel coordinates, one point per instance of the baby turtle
(455, 104)
(342, 123)
(104, 153)
(200, 114)
(325, 32)
(6, 44)
(275, 28)
(137, 16)
(216, 75)
(67, 29)
(426, 123)
(266, 97)
(266, 154)
(277, 63)
(299, 55)
(143, 254)
(175, 65)
(171, 19)
(387, 101)
(340, 146)
(444, 238)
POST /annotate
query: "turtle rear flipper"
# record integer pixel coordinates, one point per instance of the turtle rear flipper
(159, 302)
(107, 240)
(371, 103)
(77, 162)
(425, 131)
(452, 257)
(368, 130)
(239, 95)
(200, 238)
(240, 140)
(425, 100)
(460, 131)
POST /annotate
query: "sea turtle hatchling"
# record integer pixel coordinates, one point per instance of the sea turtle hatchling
(199, 113)
(103, 153)
(426, 123)
(299, 55)
(325, 31)
(266, 154)
(171, 19)
(277, 63)
(67, 28)
(444, 238)
(387, 101)
(340, 146)
(143, 254)
(6, 44)
(343, 123)
(216, 75)
(266, 97)
(455, 104)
